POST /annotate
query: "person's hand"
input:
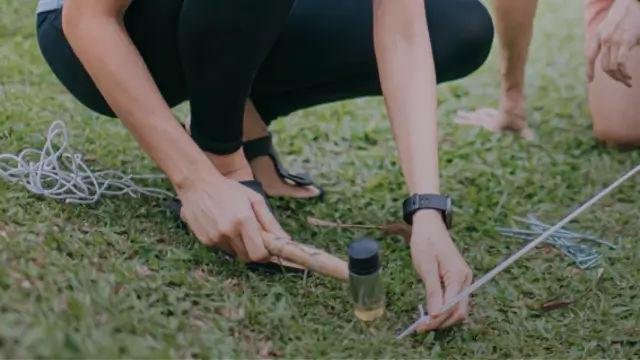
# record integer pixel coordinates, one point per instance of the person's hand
(441, 267)
(616, 36)
(226, 214)
(510, 117)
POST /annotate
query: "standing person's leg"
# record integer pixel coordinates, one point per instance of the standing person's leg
(326, 54)
(615, 109)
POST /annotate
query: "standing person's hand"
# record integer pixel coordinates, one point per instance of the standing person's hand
(618, 34)
(226, 214)
(510, 117)
(443, 270)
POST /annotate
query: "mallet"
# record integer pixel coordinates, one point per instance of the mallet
(310, 258)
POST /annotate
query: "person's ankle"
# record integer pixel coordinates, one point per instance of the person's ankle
(233, 166)
(255, 134)
(253, 124)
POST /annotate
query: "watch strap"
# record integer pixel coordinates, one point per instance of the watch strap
(423, 201)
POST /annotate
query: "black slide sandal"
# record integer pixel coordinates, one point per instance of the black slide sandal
(263, 146)
(271, 268)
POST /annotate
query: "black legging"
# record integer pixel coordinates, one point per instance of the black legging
(284, 55)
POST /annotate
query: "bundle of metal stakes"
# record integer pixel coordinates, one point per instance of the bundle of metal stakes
(567, 241)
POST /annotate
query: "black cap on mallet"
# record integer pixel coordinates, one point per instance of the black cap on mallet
(364, 257)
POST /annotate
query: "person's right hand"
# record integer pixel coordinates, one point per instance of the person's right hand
(230, 216)
(510, 117)
(617, 36)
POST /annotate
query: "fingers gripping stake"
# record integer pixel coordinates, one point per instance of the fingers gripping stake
(513, 258)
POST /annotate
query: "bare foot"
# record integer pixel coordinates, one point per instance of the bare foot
(263, 168)
(511, 116)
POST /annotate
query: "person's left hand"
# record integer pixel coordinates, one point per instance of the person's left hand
(441, 267)
(616, 36)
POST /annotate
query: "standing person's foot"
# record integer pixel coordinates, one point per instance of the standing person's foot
(268, 170)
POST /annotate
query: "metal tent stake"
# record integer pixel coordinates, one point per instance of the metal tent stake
(500, 267)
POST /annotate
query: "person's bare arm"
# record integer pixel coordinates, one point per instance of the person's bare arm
(96, 32)
(408, 80)
(407, 77)
(514, 26)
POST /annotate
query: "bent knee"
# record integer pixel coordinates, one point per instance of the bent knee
(470, 37)
(620, 136)
(479, 30)
(615, 115)
(475, 43)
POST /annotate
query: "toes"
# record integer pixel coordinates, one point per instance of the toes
(488, 112)
(467, 119)
(274, 185)
(464, 113)
(483, 117)
(527, 134)
(290, 189)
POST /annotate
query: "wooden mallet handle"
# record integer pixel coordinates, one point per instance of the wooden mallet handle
(310, 258)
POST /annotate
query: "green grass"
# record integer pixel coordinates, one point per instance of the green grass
(119, 279)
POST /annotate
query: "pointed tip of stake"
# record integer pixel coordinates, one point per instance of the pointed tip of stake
(408, 331)
(414, 327)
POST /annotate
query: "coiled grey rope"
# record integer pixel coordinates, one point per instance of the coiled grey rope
(57, 172)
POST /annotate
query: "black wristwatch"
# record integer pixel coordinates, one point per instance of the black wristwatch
(417, 202)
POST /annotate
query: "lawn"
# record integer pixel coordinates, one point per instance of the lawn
(120, 280)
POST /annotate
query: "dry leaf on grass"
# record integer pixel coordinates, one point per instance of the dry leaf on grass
(546, 249)
(90, 158)
(23, 284)
(39, 261)
(625, 342)
(555, 304)
(162, 240)
(573, 270)
(143, 271)
(563, 303)
(231, 313)
(400, 229)
(266, 350)
(324, 223)
(199, 274)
